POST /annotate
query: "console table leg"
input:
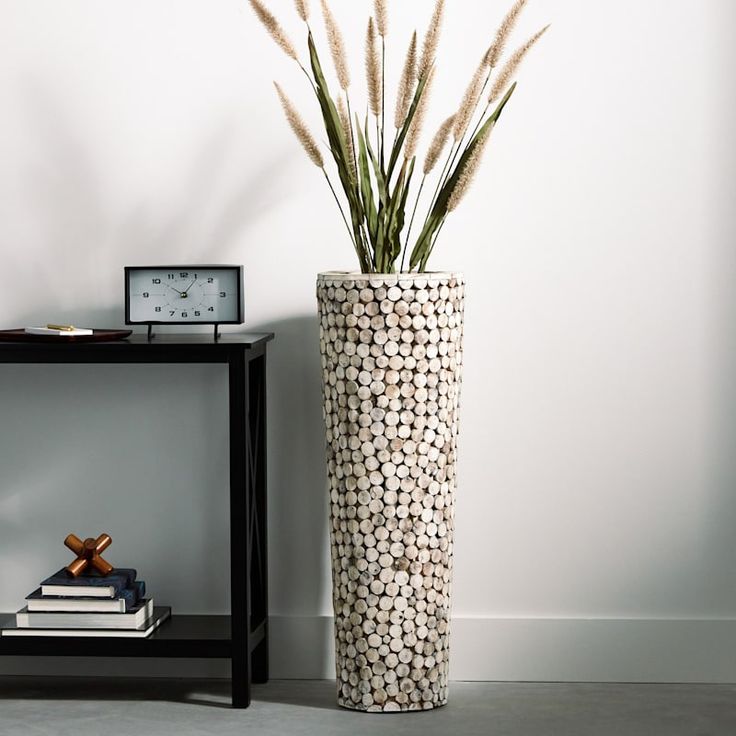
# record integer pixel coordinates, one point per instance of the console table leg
(258, 509)
(239, 532)
(240, 682)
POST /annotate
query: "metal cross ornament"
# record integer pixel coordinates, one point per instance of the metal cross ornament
(88, 554)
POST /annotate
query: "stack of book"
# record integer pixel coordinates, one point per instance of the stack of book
(89, 605)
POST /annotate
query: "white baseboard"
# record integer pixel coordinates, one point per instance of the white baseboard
(594, 650)
(539, 650)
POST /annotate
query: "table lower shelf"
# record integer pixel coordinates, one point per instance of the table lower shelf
(207, 637)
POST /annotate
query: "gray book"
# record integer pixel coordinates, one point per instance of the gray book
(135, 619)
(160, 614)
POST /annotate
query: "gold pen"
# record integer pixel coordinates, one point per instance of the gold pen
(62, 328)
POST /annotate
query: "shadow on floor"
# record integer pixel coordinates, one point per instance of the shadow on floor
(212, 693)
(208, 692)
(303, 693)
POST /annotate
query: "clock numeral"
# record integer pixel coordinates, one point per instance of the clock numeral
(170, 276)
(210, 280)
(184, 315)
(222, 293)
(156, 281)
(197, 314)
(145, 295)
(210, 309)
(184, 275)
(158, 309)
(172, 313)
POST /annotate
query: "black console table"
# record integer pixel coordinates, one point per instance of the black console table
(241, 637)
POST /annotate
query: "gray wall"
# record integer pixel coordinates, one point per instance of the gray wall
(597, 448)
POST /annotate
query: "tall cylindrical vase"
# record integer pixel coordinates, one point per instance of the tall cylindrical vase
(391, 347)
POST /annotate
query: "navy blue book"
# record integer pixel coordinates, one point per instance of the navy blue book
(128, 599)
(89, 586)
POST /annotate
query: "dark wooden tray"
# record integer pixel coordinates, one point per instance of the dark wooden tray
(20, 335)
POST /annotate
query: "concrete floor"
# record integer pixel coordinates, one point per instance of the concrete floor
(75, 707)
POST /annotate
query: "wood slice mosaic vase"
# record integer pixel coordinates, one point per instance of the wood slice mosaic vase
(391, 349)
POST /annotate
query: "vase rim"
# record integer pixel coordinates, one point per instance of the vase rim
(359, 275)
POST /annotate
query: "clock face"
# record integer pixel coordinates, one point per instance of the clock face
(187, 294)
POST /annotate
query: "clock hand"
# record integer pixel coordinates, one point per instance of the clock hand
(176, 290)
(189, 287)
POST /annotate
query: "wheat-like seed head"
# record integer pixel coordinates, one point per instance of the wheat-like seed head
(373, 69)
(337, 46)
(302, 7)
(431, 40)
(502, 34)
(508, 69)
(300, 129)
(469, 101)
(381, 17)
(342, 112)
(274, 29)
(415, 129)
(469, 171)
(438, 144)
(406, 84)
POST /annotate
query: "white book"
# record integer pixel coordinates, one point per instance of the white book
(76, 605)
(159, 616)
(136, 619)
(76, 332)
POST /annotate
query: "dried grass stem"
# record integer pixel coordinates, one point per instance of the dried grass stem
(406, 84)
(417, 122)
(302, 7)
(373, 69)
(469, 171)
(509, 68)
(337, 46)
(470, 101)
(431, 40)
(347, 129)
(300, 129)
(381, 17)
(503, 32)
(274, 29)
(438, 144)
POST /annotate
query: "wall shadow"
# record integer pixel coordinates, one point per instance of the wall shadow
(720, 521)
(298, 504)
(299, 561)
(66, 185)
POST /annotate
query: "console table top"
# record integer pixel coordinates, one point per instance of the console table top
(163, 347)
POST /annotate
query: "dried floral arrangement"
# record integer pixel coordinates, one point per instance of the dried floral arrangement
(376, 176)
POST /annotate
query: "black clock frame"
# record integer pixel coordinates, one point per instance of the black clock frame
(213, 267)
